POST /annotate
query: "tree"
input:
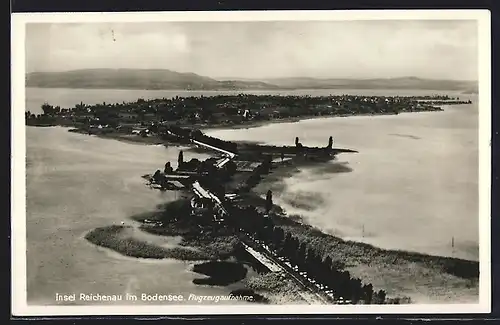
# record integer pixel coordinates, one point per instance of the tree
(293, 249)
(47, 109)
(326, 269)
(157, 176)
(168, 168)
(330, 142)
(317, 263)
(379, 297)
(196, 134)
(344, 288)
(80, 107)
(180, 159)
(269, 201)
(356, 289)
(278, 236)
(368, 293)
(328, 263)
(268, 229)
(266, 164)
(301, 254)
(310, 257)
(286, 243)
(334, 278)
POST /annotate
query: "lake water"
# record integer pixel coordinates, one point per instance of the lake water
(76, 183)
(413, 186)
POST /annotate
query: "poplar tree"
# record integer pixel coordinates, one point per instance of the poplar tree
(180, 159)
(269, 201)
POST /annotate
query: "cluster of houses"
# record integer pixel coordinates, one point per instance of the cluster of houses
(144, 116)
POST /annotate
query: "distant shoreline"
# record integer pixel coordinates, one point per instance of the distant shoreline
(460, 91)
(163, 79)
(463, 91)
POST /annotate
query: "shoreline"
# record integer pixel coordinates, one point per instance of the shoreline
(154, 140)
(295, 120)
(278, 89)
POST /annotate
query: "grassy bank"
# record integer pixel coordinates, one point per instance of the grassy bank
(130, 138)
(400, 273)
(113, 237)
(276, 288)
(353, 253)
(214, 243)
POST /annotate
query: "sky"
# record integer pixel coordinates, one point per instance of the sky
(320, 49)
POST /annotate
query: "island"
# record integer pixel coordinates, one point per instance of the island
(143, 120)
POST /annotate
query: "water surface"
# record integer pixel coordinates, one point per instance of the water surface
(76, 183)
(413, 185)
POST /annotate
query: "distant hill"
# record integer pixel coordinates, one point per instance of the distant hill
(135, 79)
(171, 80)
(388, 83)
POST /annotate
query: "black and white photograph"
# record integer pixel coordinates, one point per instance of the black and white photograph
(251, 162)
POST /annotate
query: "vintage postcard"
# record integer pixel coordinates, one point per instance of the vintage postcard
(171, 163)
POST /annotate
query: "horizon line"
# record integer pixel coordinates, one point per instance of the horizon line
(259, 78)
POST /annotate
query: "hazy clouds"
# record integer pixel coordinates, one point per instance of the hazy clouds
(337, 49)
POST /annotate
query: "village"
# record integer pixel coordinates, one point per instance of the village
(145, 118)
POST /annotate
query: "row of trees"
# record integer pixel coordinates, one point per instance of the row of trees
(300, 253)
(216, 142)
(448, 102)
(325, 271)
(189, 134)
(49, 109)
